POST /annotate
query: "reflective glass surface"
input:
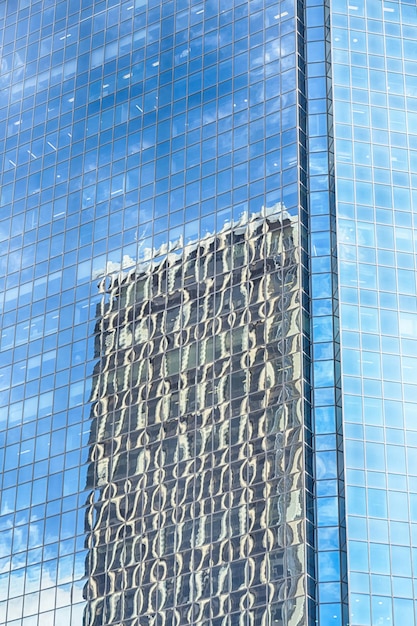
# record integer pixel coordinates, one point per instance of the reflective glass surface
(196, 512)
(326, 416)
(375, 104)
(131, 131)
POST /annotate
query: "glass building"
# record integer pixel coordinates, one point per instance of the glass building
(208, 390)
(375, 104)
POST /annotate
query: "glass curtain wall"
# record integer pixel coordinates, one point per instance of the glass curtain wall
(375, 104)
(327, 458)
(129, 129)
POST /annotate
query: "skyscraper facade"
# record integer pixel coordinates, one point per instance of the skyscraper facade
(375, 100)
(209, 322)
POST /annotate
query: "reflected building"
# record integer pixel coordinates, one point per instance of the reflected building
(197, 509)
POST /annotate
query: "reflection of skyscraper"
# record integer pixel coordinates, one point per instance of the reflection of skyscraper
(198, 512)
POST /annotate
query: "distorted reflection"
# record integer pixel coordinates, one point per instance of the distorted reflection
(196, 510)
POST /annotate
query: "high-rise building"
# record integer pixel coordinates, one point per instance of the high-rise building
(374, 73)
(208, 396)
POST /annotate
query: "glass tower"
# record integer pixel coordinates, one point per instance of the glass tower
(375, 105)
(209, 320)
